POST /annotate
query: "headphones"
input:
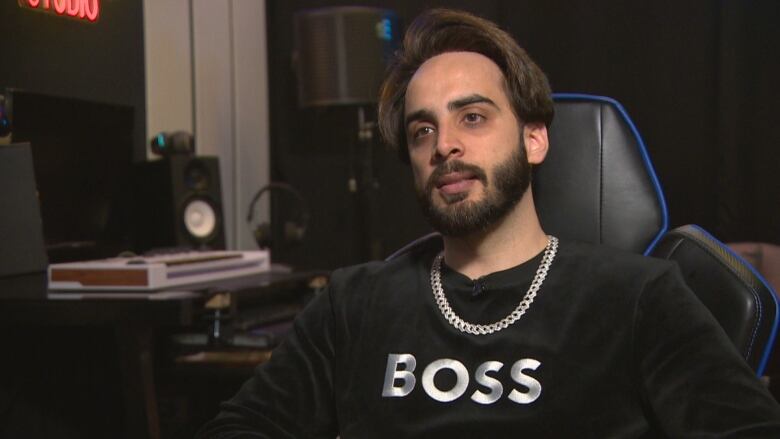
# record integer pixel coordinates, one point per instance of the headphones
(178, 142)
(294, 230)
(5, 121)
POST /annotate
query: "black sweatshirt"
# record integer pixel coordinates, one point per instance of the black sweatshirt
(614, 346)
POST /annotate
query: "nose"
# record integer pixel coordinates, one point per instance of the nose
(448, 144)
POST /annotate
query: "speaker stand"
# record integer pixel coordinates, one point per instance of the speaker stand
(367, 189)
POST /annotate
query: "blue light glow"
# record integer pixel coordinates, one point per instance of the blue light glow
(384, 29)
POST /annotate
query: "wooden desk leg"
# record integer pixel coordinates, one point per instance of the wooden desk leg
(136, 349)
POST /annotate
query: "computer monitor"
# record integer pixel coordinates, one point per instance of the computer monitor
(83, 157)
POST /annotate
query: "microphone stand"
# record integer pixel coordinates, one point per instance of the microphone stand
(366, 189)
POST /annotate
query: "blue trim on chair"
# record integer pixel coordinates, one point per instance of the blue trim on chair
(771, 341)
(642, 149)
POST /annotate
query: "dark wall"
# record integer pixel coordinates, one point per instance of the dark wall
(696, 77)
(102, 61)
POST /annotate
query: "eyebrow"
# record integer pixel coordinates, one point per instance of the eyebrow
(425, 114)
(422, 114)
(468, 100)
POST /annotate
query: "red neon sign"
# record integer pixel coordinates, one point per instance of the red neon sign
(88, 10)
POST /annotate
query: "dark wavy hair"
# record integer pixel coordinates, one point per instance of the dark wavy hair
(437, 31)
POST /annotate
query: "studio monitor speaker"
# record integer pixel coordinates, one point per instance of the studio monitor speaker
(179, 204)
(341, 53)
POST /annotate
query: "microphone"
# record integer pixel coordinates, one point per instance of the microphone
(479, 287)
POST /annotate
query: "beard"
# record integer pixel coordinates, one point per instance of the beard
(459, 217)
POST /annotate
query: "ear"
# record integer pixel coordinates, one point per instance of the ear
(536, 142)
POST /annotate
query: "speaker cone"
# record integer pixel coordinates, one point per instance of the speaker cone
(200, 219)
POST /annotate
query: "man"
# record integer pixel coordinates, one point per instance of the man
(505, 331)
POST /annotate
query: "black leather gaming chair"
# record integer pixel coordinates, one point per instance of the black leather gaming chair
(598, 185)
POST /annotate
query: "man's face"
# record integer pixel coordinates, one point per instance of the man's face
(465, 144)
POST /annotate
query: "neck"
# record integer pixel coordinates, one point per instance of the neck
(515, 239)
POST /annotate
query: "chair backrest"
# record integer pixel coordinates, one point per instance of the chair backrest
(597, 177)
(735, 293)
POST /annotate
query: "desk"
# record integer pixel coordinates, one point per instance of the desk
(134, 321)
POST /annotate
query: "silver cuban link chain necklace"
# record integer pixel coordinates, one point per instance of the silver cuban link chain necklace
(522, 307)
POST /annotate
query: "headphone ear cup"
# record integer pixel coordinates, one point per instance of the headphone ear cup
(263, 235)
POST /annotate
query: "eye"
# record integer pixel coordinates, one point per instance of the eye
(473, 118)
(422, 132)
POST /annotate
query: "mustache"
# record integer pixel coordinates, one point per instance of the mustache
(454, 166)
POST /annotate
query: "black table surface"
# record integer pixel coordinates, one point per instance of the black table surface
(26, 299)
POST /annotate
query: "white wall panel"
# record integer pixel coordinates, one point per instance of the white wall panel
(251, 114)
(168, 54)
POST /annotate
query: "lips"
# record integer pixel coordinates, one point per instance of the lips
(453, 179)
(455, 182)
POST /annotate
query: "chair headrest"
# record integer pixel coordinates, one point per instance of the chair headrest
(597, 183)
